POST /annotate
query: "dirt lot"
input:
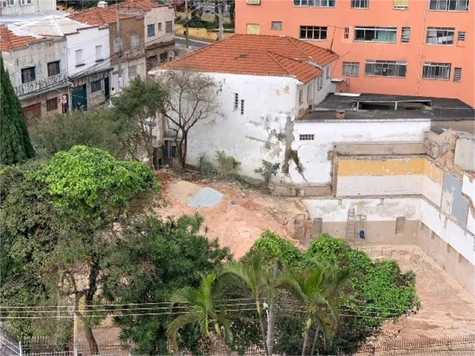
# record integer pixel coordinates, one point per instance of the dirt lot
(241, 216)
(447, 309)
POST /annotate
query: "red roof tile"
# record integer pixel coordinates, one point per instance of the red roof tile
(138, 5)
(258, 55)
(10, 41)
(96, 16)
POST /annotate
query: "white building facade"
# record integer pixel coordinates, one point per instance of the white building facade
(26, 7)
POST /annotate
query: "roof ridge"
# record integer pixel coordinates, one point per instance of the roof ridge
(269, 53)
(296, 43)
(7, 37)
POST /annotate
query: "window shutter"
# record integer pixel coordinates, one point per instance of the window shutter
(401, 4)
(461, 36)
(406, 34)
(457, 75)
(253, 2)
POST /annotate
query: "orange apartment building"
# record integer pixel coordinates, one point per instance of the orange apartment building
(404, 47)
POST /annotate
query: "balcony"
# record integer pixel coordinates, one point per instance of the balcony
(40, 85)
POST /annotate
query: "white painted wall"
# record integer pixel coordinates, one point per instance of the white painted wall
(336, 210)
(23, 9)
(313, 155)
(257, 134)
(156, 16)
(141, 68)
(468, 188)
(37, 55)
(87, 39)
(311, 93)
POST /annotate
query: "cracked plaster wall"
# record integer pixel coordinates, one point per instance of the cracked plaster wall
(263, 132)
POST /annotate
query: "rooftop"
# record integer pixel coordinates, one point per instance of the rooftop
(11, 19)
(11, 40)
(96, 16)
(258, 55)
(52, 26)
(379, 106)
(137, 5)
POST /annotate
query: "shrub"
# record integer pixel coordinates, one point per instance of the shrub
(228, 165)
(206, 167)
(267, 170)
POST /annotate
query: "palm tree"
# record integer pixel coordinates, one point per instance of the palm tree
(201, 311)
(318, 291)
(254, 280)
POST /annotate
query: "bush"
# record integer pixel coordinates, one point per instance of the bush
(228, 165)
(267, 170)
(206, 167)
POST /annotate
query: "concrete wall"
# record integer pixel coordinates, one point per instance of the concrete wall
(141, 70)
(156, 16)
(87, 39)
(314, 155)
(35, 6)
(465, 152)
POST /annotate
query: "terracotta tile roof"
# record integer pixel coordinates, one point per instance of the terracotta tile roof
(138, 5)
(258, 55)
(10, 41)
(96, 16)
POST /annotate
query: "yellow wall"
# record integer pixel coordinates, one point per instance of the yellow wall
(200, 33)
(396, 166)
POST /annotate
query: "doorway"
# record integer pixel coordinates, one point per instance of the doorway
(79, 96)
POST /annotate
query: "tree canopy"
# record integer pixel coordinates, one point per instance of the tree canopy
(15, 141)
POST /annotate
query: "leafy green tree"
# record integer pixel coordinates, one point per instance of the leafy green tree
(202, 311)
(155, 258)
(15, 144)
(93, 128)
(318, 290)
(61, 220)
(137, 108)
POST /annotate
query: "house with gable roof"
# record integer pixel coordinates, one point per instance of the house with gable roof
(265, 84)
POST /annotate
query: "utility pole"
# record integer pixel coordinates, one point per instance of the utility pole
(186, 24)
(119, 46)
(221, 21)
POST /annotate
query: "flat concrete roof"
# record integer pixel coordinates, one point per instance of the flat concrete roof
(410, 107)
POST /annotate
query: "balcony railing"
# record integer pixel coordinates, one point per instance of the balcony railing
(40, 85)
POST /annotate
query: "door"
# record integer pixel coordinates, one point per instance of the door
(106, 88)
(32, 112)
(253, 29)
(79, 98)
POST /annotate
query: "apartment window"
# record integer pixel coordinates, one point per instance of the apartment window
(253, 2)
(242, 107)
(315, 3)
(385, 68)
(169, 149)
(401, 4)
(449, 5)
(310, 92)
(79, 59)
(360, 4)
(28, 75)
(11, 2)
(405, 34)
(300, 96)
(236, 101)
(53, 68)
(457, 75)
(376, 34)
(327, 72)
(26, 2)
(134, 41)
(319, 82)
(169, 26)
(313, 32)
(99, 54)
(461, 36)
(440, 35)
(52, 104)
(351, 69)
(436, 71)
(306, 137)
(276, 25)
(159, 26)
(400, 225)
(346, 33)
(132, 72)
(96, 86)
(151, 30)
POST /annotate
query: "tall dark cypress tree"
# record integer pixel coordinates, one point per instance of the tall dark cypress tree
(15, 146)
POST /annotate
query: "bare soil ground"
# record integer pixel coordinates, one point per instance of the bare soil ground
(447, 309)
